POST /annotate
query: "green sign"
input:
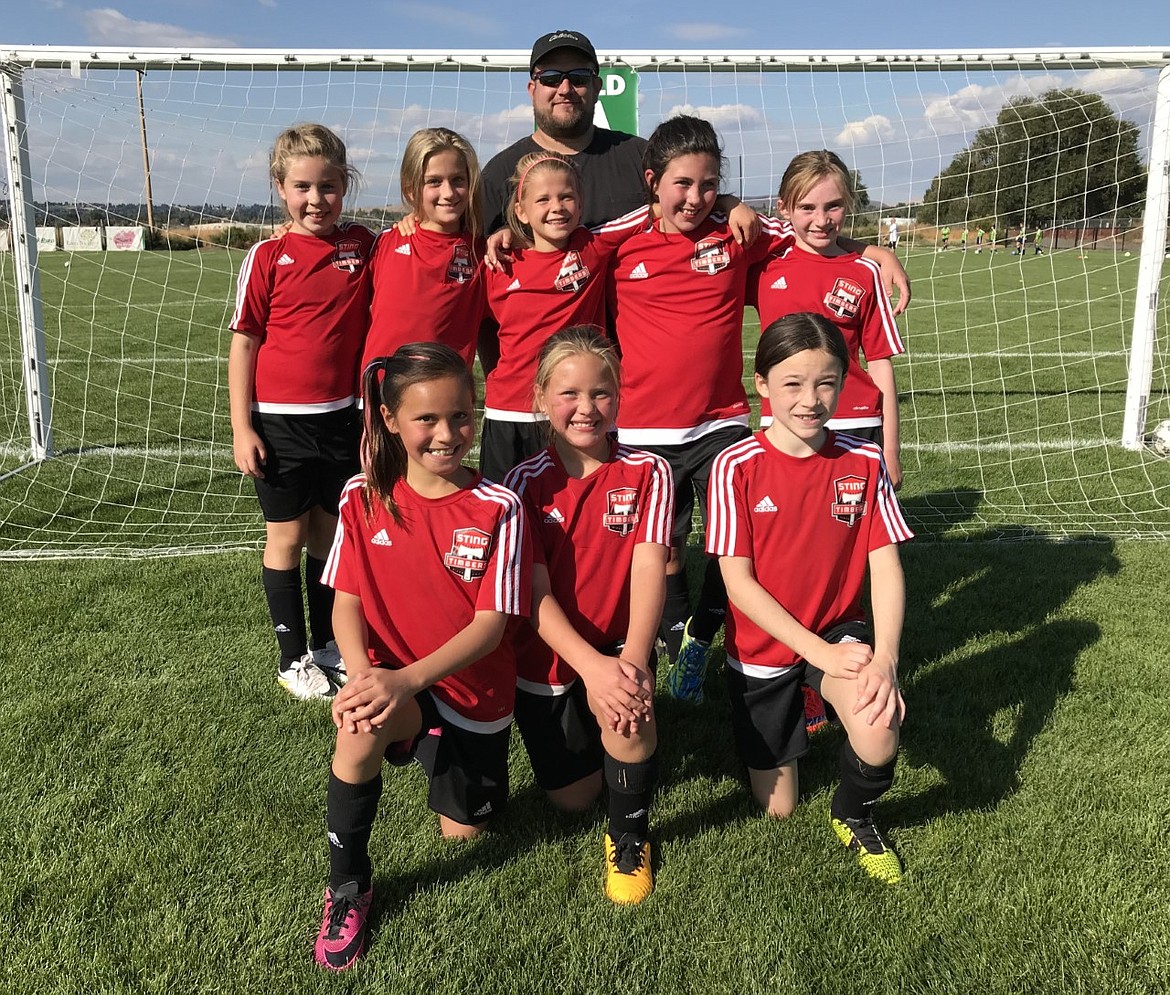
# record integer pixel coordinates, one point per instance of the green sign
(618, 107)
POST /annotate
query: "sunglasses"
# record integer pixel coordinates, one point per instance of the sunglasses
(554, 77)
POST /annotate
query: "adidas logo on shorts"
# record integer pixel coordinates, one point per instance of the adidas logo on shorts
(483, 810)
(639, 272)
(765, 504)
(381, 539)
(285, 260)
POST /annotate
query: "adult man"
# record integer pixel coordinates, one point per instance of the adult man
(564, 87)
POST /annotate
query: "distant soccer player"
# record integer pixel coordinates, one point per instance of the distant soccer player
(302, 308)
(892, 236)
(598, 510)
(430, 563)
(979, 236)
(799, 514)
(944, 238)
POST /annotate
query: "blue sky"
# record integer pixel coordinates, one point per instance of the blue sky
(209, 132)
(680, 23)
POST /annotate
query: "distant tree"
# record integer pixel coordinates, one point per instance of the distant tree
(861, 199)
(1064, 154)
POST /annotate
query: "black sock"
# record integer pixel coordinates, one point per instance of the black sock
(631, 789)
(712, 606)
(320, 599)
(285, 605)
(675, 613)
(861, 784)
(349, 816)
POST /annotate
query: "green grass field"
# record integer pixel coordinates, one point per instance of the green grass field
(163, 799)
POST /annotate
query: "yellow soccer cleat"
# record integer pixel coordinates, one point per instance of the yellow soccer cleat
(628, 877)
(874, 856)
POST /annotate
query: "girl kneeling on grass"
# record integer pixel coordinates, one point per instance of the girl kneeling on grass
(429, 563)
(798, 513)
(601, 516)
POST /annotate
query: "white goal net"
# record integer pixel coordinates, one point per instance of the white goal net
(1013, 391)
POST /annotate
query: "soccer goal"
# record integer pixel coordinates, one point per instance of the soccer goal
(1037, 344)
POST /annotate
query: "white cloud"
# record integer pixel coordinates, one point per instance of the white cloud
(706, 33)
(723, 116)
(107, 26)
(271, 4)
(869, 131)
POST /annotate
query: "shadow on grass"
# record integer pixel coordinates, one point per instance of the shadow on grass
(984, 662)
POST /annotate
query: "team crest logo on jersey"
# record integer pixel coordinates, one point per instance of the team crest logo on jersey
(849, 499)
(347, 255)
(460, 268)
(574, 274)
(711, 256)
(844, 299)
(621, 510)
(468, 556)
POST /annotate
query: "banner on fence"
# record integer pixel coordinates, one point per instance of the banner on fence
(124, 239)
(46, 239)
(86, 239)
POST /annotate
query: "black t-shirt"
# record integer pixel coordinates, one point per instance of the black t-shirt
(611, 177)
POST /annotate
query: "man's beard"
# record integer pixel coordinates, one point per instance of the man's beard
(562, 128)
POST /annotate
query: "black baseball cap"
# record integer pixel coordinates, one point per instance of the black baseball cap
(562, 39)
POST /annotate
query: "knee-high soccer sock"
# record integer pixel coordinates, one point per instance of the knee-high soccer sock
(675, 612)
(712, 606)
(286, 606)
(631, 788)
(861, 784)
(320, 599)
(349, 816)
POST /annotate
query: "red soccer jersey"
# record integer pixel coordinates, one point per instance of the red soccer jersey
(540, 294)
(585, 532)
(427, 288)
(422, 582)
(308, 301)
(848, 291)
(808, 526)
(677, 304)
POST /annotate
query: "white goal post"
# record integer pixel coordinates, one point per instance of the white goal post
(1030, 380)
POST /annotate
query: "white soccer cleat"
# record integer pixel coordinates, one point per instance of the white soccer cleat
(305, 680)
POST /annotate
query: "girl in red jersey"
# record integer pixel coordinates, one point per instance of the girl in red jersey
(677, 295)
(430, 562)
(798, 514)
(428, 283)
(302, 306)
(556, 279)
(817, 274)
(601, 515)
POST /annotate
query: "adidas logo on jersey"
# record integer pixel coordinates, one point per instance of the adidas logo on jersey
(514, 285)
(781, 284)
(381, 539)
(554, 517)
(403, 249)
(766, 504)
(285, 260)
(639, 272)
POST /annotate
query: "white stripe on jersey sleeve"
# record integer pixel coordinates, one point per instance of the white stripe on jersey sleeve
(518, 478)
(660, 501)
(329, 575)
(242, 282)
(510, 549)
(885, 309)
(887, 504)
(722, 515)
(634, 221)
